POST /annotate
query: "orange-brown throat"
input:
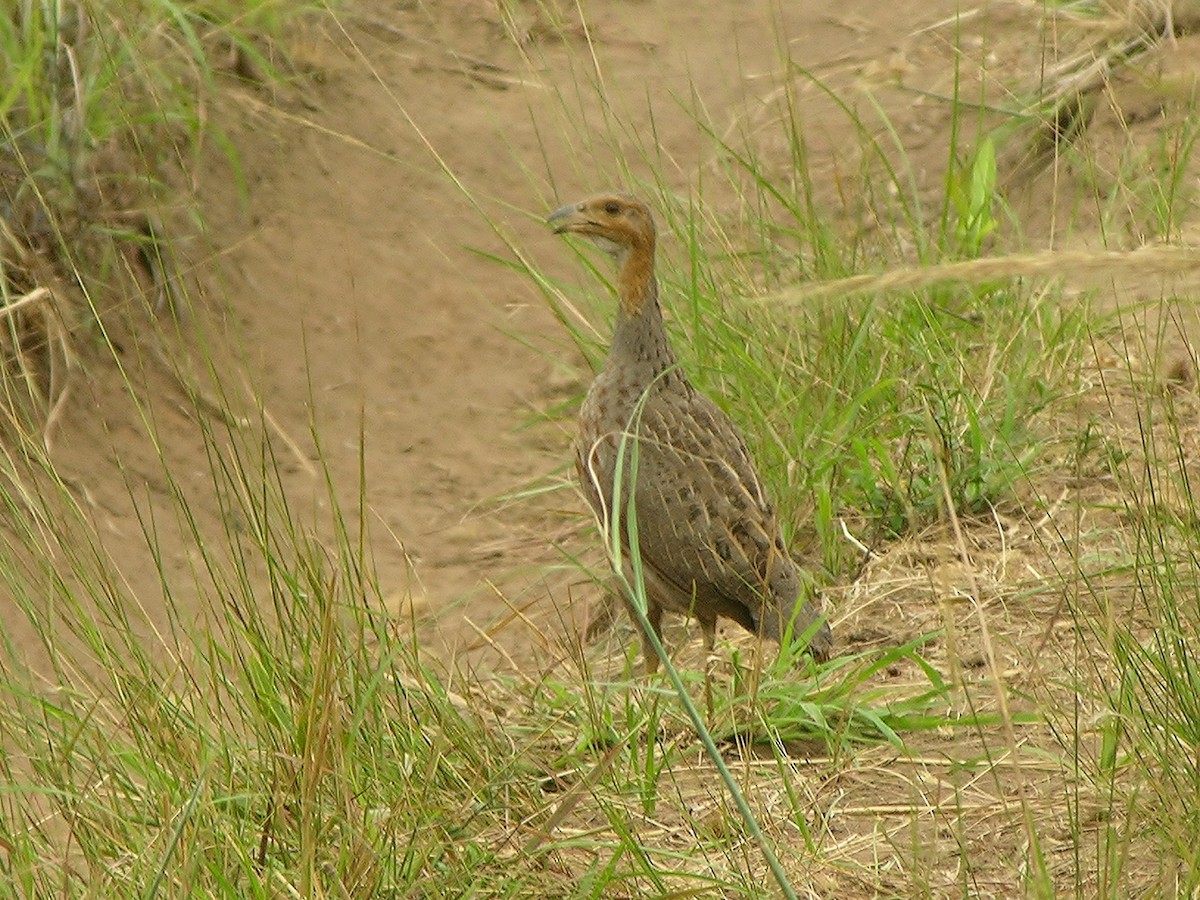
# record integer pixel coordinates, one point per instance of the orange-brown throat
(635, 280)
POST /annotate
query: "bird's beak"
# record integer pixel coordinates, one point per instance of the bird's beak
(565, 218)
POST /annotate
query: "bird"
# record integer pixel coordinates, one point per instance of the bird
(707, 534)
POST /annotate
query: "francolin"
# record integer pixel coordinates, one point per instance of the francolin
(709, 538)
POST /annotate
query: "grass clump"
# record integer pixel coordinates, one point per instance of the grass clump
(101, 101)
(1140, 615)
(238, 747)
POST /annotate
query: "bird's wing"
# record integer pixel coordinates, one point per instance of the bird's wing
(704, 520)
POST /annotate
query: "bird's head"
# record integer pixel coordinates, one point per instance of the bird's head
(614, 222)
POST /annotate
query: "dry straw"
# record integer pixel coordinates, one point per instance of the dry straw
(1144, 261)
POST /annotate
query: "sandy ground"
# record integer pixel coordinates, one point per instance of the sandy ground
(351, 277)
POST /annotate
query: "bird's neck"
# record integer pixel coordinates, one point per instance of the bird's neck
(640, 336)
(636, 285)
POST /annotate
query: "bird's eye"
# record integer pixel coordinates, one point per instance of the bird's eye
(612, 208)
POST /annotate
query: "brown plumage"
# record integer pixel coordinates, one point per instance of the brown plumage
(708, 535)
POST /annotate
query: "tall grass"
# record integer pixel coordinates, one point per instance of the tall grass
(1134, 730)
(283, 735)
(250, 745)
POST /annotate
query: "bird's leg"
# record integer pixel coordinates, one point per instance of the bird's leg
(654, 614)
(601, 612)
(709, 627)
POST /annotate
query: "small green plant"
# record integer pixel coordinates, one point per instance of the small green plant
(973, 196)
